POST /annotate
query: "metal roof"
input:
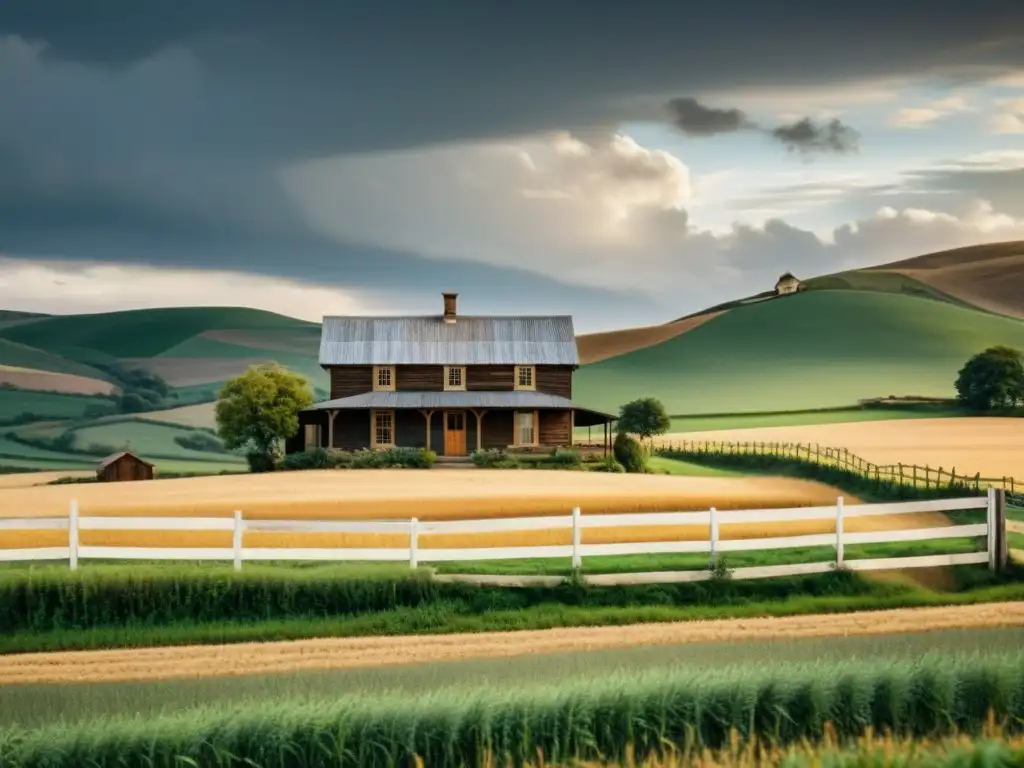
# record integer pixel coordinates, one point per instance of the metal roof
(387, 400)
(104, 463)
(429, 340)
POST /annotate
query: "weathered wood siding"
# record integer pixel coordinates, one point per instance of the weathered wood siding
(419, 378)
(125, 468)
(351, 430)
(555, 427)
(348, 380)
(490, 378)
(497, 429)
(555, 380)
(411, 429)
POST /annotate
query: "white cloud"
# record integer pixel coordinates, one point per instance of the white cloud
(553, 205)
(930, 113)
(1009, 118)
(612, 214)
(70, 288)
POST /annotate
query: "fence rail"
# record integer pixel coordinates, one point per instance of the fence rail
(910, 475)
(992, 530)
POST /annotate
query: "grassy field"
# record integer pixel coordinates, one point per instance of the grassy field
(816, 349)
(36, 704)
(600, 717)
(153, 330)
(149, 441)
(47, 405)
(13, 353)
(48, 607)
(882, 281)
(697, 423)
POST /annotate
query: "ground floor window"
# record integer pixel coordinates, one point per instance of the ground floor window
(383, 428)
(525, 433)
(312, 436)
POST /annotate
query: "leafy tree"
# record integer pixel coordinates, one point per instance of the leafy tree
(259, 409)
(645, 417)
(992, 380)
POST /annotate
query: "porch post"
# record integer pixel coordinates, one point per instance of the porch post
(331, 415)
(426, 415)
(479, 429)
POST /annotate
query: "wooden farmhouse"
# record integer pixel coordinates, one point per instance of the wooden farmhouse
(449, 383)
(123, 466)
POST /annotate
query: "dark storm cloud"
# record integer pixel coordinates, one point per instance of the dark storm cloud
(694, 119)
(807, 136)
(154, 130)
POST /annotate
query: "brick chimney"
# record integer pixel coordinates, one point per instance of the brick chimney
(449, 306)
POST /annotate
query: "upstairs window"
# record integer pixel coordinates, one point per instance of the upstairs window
(525, 377)
(384, 378)
(455, 377)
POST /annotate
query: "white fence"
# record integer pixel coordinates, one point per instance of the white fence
(713, 546)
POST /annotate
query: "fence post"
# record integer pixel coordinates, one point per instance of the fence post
(73, 535)
(236, 540)
(990, 509)
(577, 559)
(414, 536)
(1001, 553)
(839, 532)
(713, 537)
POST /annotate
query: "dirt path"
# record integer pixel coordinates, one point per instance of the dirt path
(339, 653)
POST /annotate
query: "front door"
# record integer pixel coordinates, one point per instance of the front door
(454, 433)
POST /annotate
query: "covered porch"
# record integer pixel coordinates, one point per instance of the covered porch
(449, 423)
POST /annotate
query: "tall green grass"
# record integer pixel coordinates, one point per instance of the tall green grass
(55, 598)
(648, 714)
(138, 606)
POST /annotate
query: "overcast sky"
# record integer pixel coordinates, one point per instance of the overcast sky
(624, 162)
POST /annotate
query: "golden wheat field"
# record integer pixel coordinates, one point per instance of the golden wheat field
(992, 446)
(344, 653)
(429, 495)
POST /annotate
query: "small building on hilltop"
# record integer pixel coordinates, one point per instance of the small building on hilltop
(123, 466)
(787, 283)
(450, 383)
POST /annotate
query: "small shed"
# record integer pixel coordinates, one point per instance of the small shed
(787, 283)
(123, 466)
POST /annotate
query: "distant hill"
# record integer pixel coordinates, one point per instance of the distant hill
(814, 349)
(62, 372)
(899, 329)
(990, 277)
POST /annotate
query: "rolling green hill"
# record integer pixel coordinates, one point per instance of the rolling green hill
(194, 349)
(847, 337)
(816, 349)
(141, 332)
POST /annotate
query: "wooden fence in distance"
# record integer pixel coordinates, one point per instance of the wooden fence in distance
(910, 475)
